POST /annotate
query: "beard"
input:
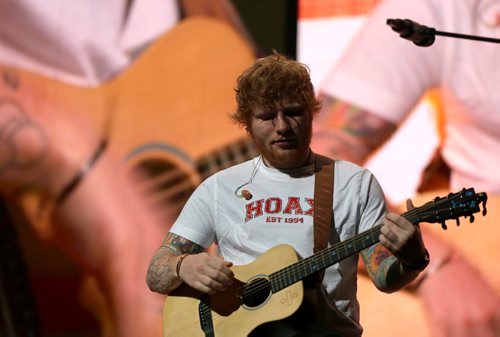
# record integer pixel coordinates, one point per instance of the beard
(287, 157)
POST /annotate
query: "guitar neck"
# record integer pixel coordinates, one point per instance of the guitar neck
(331, 255)
(324, 259)
(233, 153)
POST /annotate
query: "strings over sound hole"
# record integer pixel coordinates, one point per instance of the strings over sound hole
(165, 185)
(256, 292)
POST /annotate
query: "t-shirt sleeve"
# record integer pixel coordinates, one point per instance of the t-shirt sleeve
(197, 218)
(372, 202)
(382, 72)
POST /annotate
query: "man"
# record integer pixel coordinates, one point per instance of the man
(276, 104)
(371, 91)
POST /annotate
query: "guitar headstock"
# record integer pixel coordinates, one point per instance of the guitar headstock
(453, 206)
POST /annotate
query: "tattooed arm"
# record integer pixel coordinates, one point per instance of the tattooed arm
(385, 270)
(199, 269)
(399, 257)
(42, 147)
(39, 148)
(345, 132)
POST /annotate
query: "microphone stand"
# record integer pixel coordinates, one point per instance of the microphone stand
(424, 36)
(467, 37)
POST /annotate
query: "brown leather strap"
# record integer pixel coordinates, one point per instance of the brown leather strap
(323, 201)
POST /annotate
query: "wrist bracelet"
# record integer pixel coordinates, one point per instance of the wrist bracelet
(420, 266)
(178, 267)
(84, 169)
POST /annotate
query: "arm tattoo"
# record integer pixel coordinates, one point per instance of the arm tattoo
(353, 133)
(11, 80)
(370, 129)
(160, 276)
(178, 245)
(17, 132)
(378, 260)
(23, 142)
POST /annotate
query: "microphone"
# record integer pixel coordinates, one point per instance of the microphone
(245, 194)
(420, 35)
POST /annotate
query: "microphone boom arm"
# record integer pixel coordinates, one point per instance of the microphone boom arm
(424, 36)
(468, 37)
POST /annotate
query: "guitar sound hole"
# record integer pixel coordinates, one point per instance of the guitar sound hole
(165, 184)
(256, 292)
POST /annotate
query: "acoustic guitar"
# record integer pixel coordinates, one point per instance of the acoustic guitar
(263, 287)
(167, 114)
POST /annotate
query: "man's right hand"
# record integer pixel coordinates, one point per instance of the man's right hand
(206, 273)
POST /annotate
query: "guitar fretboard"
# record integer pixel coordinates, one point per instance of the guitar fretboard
(464, 203)
(169, 185)
(327, 257)
(229, 155)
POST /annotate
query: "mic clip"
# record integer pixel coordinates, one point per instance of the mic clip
(420, 35)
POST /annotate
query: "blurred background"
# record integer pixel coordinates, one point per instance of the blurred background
(43, 292)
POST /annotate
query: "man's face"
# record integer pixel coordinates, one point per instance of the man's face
(282, 135)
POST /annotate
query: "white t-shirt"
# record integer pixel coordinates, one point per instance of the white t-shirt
(81, 42)
(387, 75)
(281, 211)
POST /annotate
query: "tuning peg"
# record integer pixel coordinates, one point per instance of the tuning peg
(471, 218)
(443, 225)
(483, 198)
(458, 221)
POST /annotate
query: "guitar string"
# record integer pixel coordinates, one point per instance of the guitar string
(300, 265)
(257, 289)
(287, 274)
(479, 198)
(292, 270)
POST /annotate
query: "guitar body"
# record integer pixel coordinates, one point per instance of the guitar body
(179, 92)
(166, 110)
(170, 107)
(479, 242)
(181, 316)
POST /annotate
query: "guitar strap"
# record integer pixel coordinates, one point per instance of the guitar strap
(323, 201)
